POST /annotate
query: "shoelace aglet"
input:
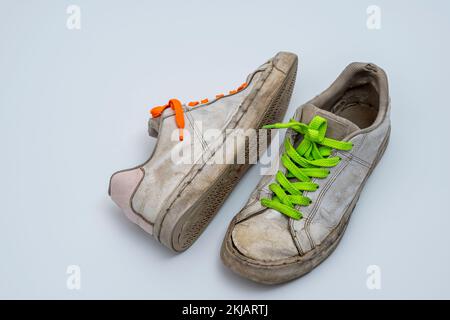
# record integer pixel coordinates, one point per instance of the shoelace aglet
(181, 134)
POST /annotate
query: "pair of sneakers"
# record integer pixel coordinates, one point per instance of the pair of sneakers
(298, 212)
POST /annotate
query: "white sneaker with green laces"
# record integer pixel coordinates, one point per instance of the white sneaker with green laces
(295, 218)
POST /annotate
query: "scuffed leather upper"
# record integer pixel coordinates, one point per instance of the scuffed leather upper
(265, 234)
(162, 175)
(337, 191)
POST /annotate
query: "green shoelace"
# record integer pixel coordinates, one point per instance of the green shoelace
(309, 160)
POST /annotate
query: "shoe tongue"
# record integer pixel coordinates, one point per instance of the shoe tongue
(338, 127)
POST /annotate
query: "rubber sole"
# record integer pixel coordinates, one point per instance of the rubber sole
(186, 228)
(295, 267)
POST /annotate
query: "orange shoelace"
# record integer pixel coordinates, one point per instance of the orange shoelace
(179, 115)
(177, 107)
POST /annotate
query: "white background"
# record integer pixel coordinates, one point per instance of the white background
(74, 109)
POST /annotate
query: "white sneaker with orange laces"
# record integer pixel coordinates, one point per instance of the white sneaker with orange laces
(174, 197)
